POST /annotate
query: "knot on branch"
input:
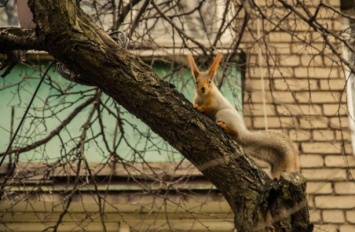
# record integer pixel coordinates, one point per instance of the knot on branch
(287, 203)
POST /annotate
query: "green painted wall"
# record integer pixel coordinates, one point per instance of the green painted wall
(17, 89)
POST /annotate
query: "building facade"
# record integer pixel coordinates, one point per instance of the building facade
(292, 83)
(304, 94)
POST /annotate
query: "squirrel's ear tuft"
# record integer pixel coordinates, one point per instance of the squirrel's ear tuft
(214, 66)
(194, 69)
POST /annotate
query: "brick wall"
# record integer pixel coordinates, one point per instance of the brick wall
(305, 98)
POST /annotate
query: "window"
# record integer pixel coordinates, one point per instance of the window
(175, 23)
(111, 126)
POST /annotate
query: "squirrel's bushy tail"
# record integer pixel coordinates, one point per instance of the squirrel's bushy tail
(271, 146)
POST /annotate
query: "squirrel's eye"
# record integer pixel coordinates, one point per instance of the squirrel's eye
(196, 82)
(209, 81)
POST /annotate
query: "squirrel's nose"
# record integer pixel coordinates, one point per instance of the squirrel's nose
(203, 89)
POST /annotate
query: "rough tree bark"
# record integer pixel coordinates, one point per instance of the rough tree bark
(65, 32)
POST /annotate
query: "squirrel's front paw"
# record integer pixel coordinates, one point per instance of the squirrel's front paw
(221, 124)
(195, 106)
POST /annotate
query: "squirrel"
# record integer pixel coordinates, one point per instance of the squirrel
(271, 146)
(208, 99)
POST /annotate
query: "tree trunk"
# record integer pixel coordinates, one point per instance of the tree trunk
(71, 37)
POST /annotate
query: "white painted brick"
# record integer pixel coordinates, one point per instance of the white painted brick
(334, 202)
(311, 161)
(333, 216)
(324, 174)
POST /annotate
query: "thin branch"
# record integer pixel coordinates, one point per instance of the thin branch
(53, 133)
(25, 113)
(125, 11)
(138, 17)
(181, 32)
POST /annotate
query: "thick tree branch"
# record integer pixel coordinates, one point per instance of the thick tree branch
(132, 84)
(19, 39)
